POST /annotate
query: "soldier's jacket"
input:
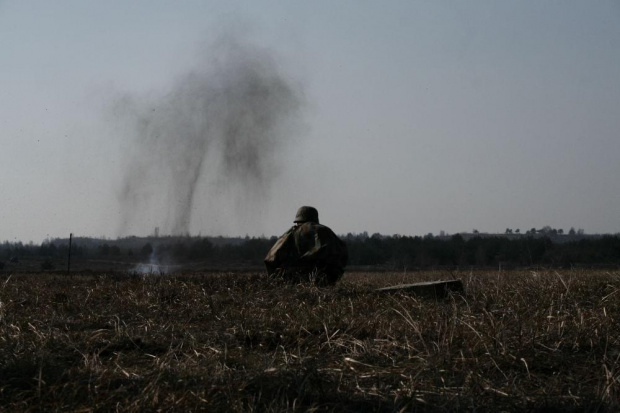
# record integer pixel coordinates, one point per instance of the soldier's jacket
(308, 247)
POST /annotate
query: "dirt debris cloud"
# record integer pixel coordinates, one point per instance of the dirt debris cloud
(222, 127)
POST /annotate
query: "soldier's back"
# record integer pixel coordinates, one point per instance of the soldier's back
(308, 250)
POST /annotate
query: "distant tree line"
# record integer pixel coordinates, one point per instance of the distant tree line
(395, 252)
(477, 251)
(165, 250)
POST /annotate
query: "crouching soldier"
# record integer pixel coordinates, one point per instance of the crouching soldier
(308, 251)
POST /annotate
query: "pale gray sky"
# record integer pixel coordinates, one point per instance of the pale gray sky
(419, 116)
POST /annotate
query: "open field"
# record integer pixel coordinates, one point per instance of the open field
(517, 340)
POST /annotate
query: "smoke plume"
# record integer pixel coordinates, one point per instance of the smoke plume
(219, 130)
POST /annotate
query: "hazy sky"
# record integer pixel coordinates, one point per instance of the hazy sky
(416, 116)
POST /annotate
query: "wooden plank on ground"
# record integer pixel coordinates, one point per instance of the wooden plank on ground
(430, 289)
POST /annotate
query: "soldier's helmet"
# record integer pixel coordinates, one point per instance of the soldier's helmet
(307, 214)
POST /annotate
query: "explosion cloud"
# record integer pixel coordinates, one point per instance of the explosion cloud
(224, 124)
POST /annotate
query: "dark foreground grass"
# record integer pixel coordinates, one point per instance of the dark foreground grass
(516, 341)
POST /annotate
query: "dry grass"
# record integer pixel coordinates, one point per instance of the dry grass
(238, 342)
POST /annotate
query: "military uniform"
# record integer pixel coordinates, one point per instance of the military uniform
(308, 251)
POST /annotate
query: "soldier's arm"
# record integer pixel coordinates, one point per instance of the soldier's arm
(278, 254)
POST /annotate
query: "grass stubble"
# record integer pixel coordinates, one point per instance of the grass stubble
(516, 341)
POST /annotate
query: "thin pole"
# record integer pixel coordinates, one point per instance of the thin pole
(69, 260)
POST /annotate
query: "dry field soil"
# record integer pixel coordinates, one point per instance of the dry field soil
(514, 341)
